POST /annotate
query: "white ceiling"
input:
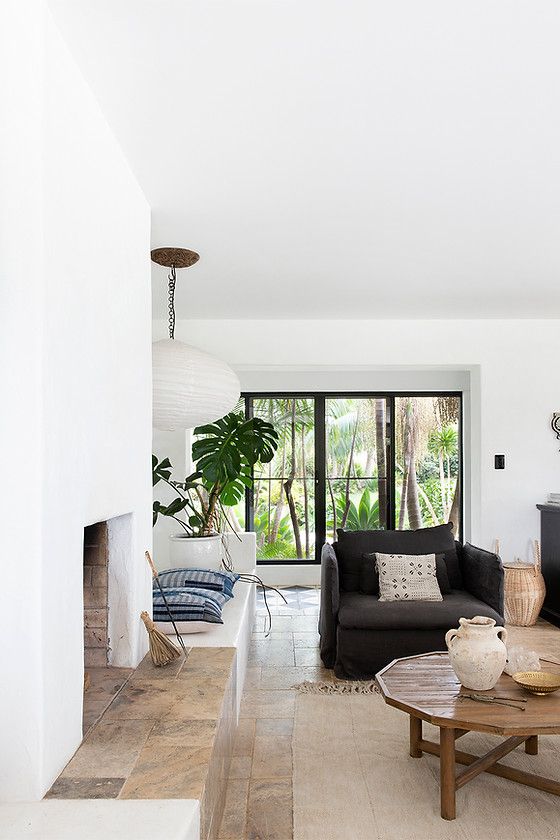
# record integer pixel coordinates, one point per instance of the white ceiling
(339, 158)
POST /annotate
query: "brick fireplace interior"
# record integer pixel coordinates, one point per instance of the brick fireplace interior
(101, 681)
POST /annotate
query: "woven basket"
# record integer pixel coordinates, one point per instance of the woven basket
(524, 590)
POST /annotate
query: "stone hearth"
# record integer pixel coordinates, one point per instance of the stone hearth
(167, 734)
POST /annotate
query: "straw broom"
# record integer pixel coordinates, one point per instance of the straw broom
(162, 650)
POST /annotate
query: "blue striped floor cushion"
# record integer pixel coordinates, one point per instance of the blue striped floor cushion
(221, 581)
(188, 605)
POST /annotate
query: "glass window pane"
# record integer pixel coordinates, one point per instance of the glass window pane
(354, 505)
(427, 461)
(284, 519)
(284, 492)
(293, 419)
(357, 446)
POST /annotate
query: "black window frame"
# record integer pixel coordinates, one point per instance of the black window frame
(320, 498)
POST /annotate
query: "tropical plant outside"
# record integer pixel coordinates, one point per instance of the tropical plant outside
(357, 446)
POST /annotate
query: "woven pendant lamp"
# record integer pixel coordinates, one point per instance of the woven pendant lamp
(190, 387)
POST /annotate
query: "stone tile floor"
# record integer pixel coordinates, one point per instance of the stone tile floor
(157, 737)
(103, 686)
(259, 793)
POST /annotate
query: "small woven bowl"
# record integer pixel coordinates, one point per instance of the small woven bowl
(538, 682)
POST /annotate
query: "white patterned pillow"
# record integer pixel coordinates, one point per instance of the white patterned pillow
(408, 577)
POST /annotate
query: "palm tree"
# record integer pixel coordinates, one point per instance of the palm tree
(381, 457)
(409, 497)
(443, 444)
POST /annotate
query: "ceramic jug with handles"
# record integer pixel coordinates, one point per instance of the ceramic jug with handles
(477, 652)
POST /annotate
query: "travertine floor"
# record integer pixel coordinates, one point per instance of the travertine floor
(103, 686)
(160, 734)
(259, 794)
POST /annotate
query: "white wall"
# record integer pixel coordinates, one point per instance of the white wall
(80, 391)
(514, 388)
(21, 293)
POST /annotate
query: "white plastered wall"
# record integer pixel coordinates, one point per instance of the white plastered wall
(76, 368)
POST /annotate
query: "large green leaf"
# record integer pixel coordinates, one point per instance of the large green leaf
(231, 446)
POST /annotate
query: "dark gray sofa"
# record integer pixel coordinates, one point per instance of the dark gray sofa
(360, 635)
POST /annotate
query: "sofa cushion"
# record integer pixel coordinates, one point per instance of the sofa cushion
(366, 612)
(408, 577)
(352, 545)
(369, 577)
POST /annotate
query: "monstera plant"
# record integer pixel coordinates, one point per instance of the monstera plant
(224, 454)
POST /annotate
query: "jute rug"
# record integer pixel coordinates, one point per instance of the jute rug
(354, 780)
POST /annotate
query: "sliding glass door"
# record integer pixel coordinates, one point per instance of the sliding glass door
(353, 461)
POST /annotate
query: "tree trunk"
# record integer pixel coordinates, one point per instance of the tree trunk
(349, 471)
(289, 482)
(280, 504)
(381, 456)
(412, 501)
(448, 484)
(454, 512)
(305, 493)
(409, 498)
(442, 487)
(329, 482)
(404, 493)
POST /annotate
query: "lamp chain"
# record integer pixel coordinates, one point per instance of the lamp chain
(172, 277)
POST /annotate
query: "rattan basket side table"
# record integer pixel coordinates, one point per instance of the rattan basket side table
(524, 591)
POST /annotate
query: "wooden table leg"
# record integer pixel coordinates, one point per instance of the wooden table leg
(532, 745)
(415, 736)
(447, 772)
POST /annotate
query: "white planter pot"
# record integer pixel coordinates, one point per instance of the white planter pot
(195, 552)
(476, 652)
(207, 552)
(242, 550)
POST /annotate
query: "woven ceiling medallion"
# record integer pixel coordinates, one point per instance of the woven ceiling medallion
(190, 387)
(178, 257)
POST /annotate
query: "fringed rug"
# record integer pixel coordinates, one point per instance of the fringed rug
(341, 687)
(354, 779)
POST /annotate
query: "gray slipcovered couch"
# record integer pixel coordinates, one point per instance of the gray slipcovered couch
(360, 635)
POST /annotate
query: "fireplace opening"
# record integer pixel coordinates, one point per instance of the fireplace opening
(102, 682)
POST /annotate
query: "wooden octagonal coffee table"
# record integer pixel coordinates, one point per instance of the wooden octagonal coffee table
(426, 688)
